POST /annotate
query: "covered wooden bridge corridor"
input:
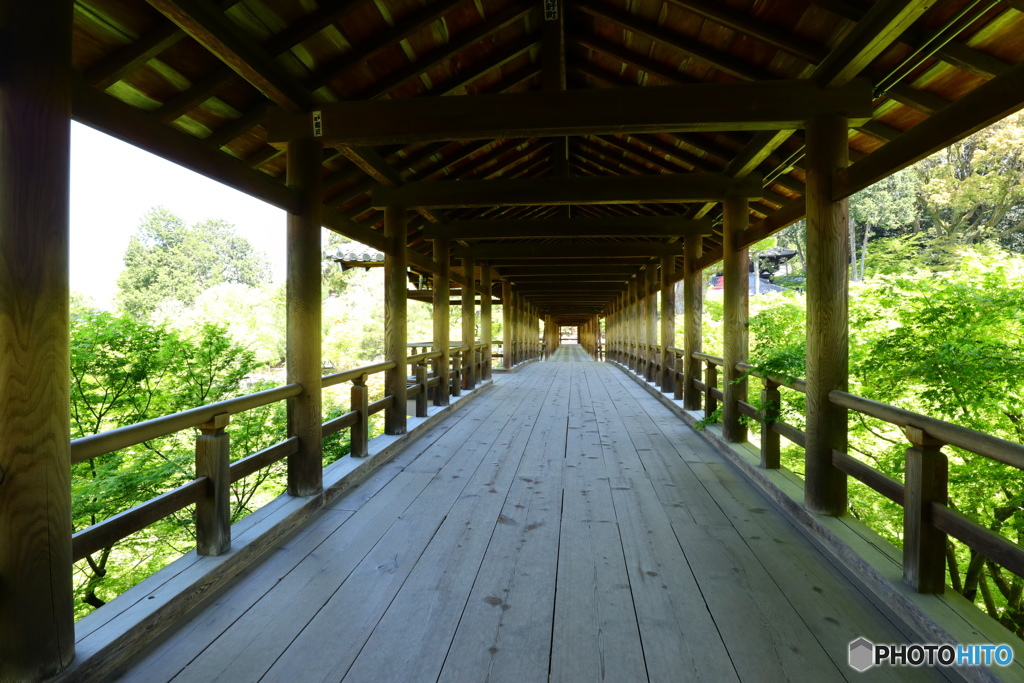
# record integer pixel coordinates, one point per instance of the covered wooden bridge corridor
(564, 526)
(571, 161)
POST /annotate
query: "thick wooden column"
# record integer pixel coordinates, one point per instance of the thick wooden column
(395, 332)
(736, 272)
(668, 322)
(693, 320)
(469, 322)
(305, 170)
(485, 317)
(442, 324)
(651, 322)
(507, 325)
(37, 635)
(827, 315)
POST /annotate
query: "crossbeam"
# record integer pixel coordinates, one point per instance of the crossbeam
(573, 250)
(754, 105)
(615, 226)
(633, 189)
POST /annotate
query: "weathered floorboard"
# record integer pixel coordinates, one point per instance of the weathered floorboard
(566, 528)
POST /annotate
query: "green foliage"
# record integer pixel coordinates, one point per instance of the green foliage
(169, 260)
(949, 344)
(124, 371)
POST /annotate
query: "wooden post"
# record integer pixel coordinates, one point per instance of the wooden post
(693, 320)
(507, 325)
(395, 336)
(360, 434)
(442, 324)
(827, 315)
(305, 172)
(736, 267)
(710, 382)
(926, 481)
(469, 322)
(771, 402)
(423, 397)
(37, 632)
(651, 324)
(456, 375)
(213, 510)
(668, 324)
(485, 320)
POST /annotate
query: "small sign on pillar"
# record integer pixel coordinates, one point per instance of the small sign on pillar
(550, 10)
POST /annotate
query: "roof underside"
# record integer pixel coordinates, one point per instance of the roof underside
(195, 81)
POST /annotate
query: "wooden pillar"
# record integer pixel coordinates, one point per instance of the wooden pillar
(442, 324)
(469, 375)
(668, 323)
(395, 333)
(651, 323)
(827, 315)
(507, 323)
(736, 272)
(485, 318)
(693, 320)
(305, 172)
(37, 634)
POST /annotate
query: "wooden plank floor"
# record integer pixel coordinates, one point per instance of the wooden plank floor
(564, 527)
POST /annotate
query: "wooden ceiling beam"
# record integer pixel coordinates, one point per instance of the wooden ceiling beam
(402, 29)
(772, 105)
(669, 189)
(654, 226)
(879, 28)
(612, 276)
(572, 250)
(545, 268)
(218, 34)
(467, 39)
(952, 52)
(983, 106)
(745, 23)
(722, 61)
(120, 120)
(568, 286)
(481, 68)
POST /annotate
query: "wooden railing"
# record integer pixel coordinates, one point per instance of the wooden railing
(214, 473)
(923, 493)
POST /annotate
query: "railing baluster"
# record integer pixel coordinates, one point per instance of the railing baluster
(213, 510)
(423, 397)
(360, 434)
(710, 382)
(457, 374)
(926, 481)
(771, 403)
(678, 382)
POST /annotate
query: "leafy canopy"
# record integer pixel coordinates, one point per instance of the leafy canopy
(168, 260)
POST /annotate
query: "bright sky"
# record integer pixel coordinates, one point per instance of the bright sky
(114, 184)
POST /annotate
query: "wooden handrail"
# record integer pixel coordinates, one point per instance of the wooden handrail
(705, 357)
(991, 447)
(793, 383)
(88, 447)
(349, 375)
